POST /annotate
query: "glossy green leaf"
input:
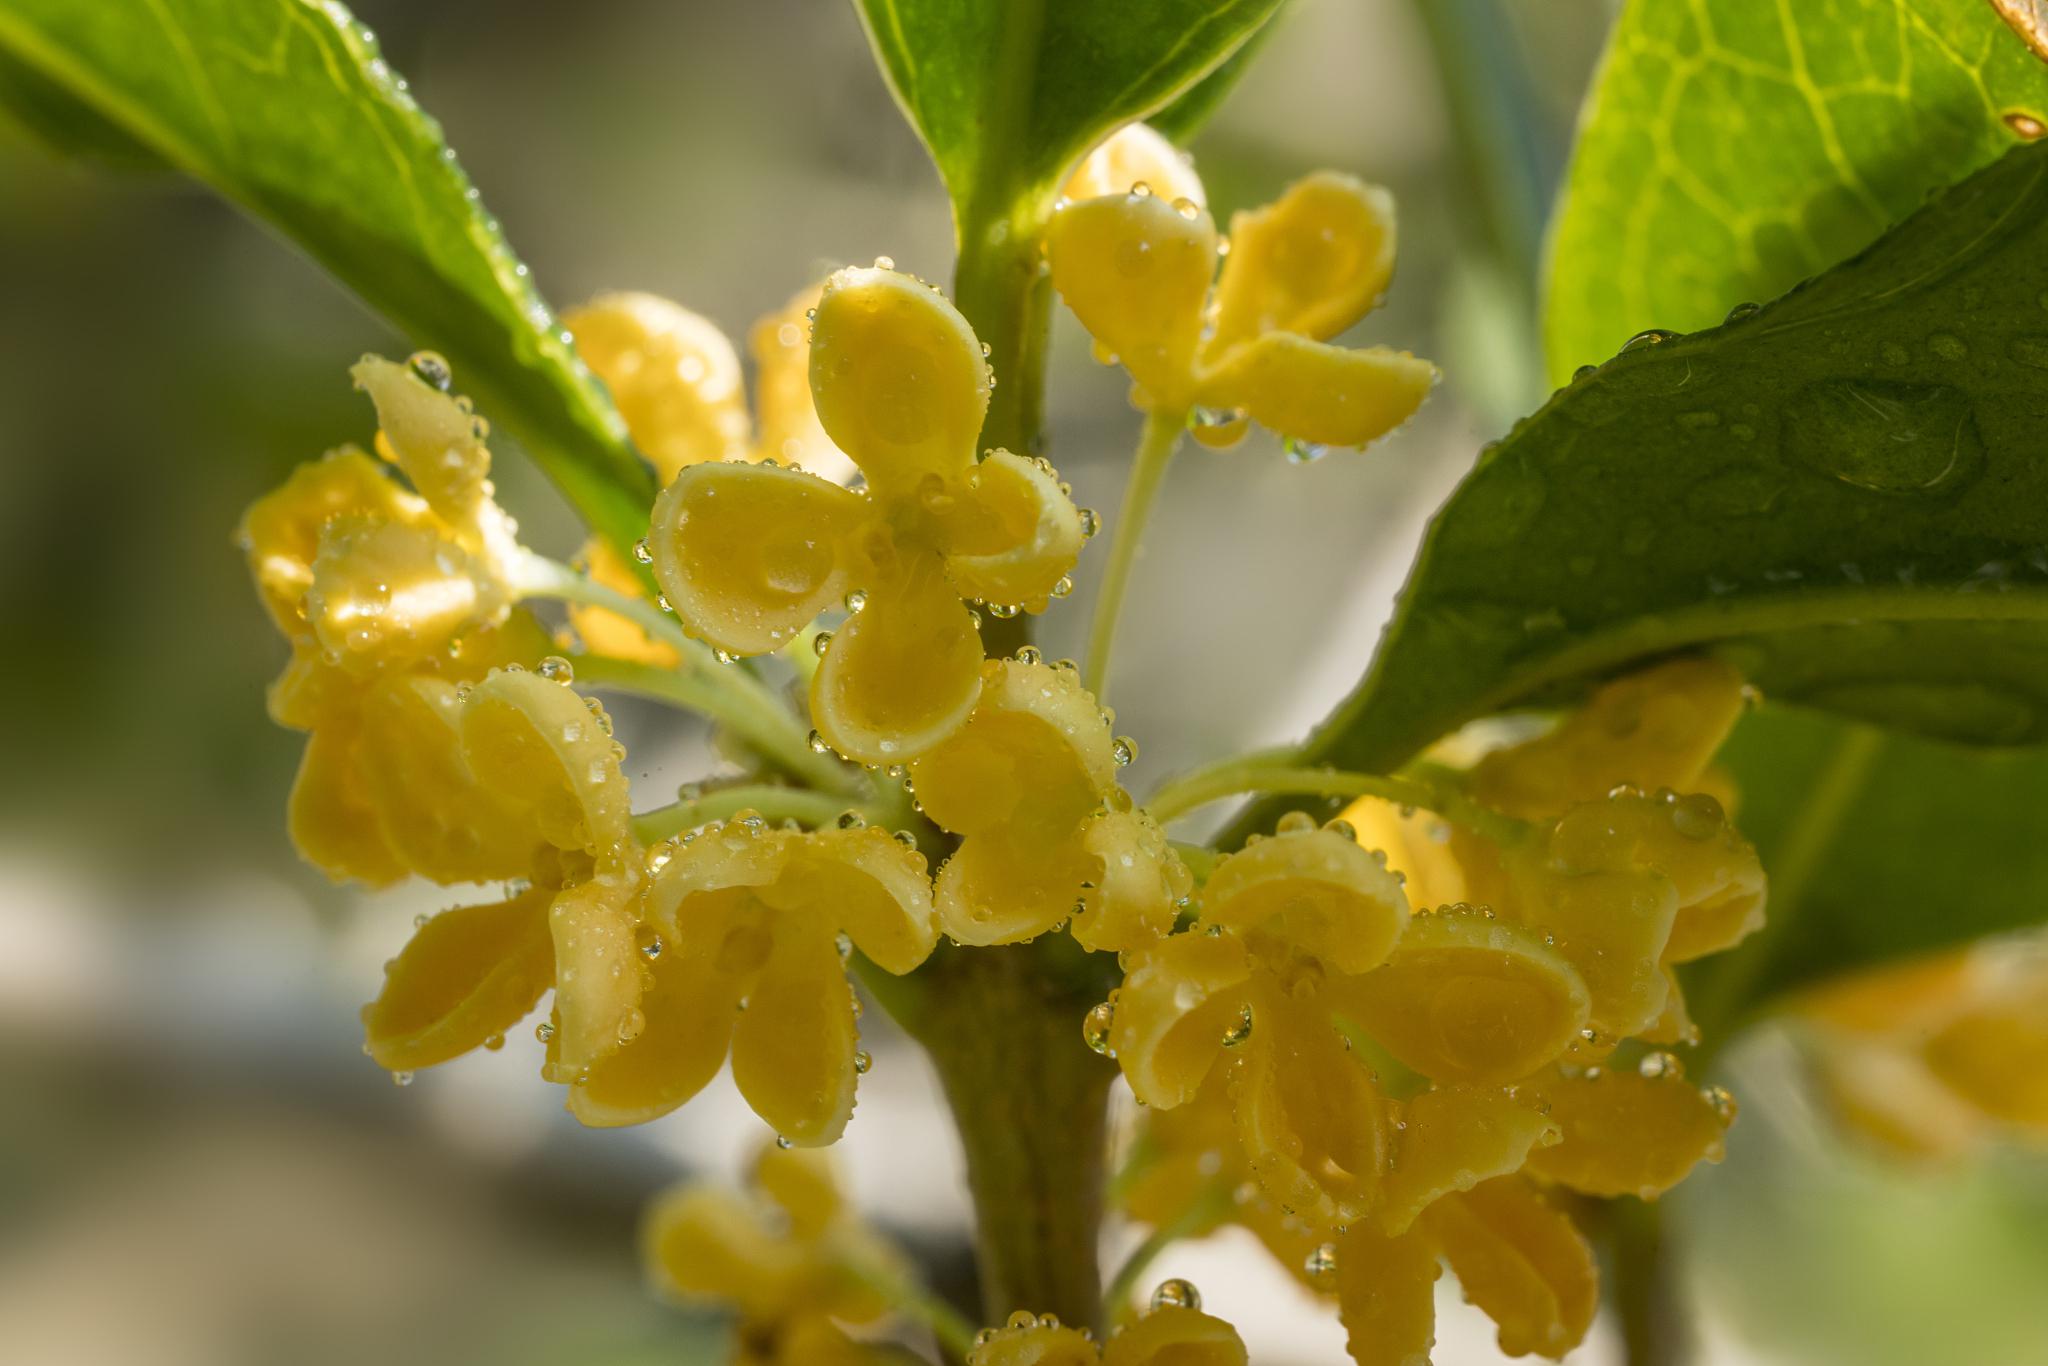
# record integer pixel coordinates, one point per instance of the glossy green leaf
(1007, 94)
(1184, 117)
(1879, 846)
(285, 107)
(1731, 149)
(1845, 493)
(63, 123)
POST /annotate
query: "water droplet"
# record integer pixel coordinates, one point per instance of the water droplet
(641, 553)
(1176, 1294)
(1091, 522)
(1238, 1030)
(1660, 1064)
(850, 819)
(1003, 611)
(1141, 190)
(1886, 437)
(1301, 452)
(818, 743)
(1721, 1102)
(1743, 312)
(1124, 750)
(1063, 586)
(1648, 337)
(884, 263)
(401, 1078)
(556, 669)
(856, 600)
(1321, 1263)
(821, 642)
(862, 1062)
(783, 1143)
(544, 1031)
(1095, 1027)
(1188, 209)
(632, 1024)
(431, 368)
(648, 939)
(2025, 125)
(1698, 816)
(493, 1042)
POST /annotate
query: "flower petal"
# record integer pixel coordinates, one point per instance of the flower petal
(1134, 155)
(899, 379)
(1313, 262)
(1417, 844)
(1034, 1344)
(1012, 534)
(793, 1050)
(747, 555)
(331, 816)
(1171, 1336)
(1136, 272)
(1313, 1124)
(1655, 729)
(1178, 1000)
(280, 532)
(1522, 1261)
(790, 430)
(1451, 1139)
(703, 1244)
(598, 975)
(1468, 998)
(466, 975)
(1386, 1296)
(1626, 1133)
(1140, 888)
(386, 593)
(1315, 891)
(867, 884)
(673, 376)
(804, 1184)
(1312, 391)
(901, 674)
(995, 890)
(444, 824)
(548, 756)
(436, 440)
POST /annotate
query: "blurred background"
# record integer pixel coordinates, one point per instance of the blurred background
(196, 1163)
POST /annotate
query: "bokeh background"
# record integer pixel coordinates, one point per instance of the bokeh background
(196, 1163)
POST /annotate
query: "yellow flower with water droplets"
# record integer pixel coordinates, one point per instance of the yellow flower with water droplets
(1136, 154)
(1023, 783)
(748, 555)
(1169, 1335)
(789, 1257)
(1136, 268)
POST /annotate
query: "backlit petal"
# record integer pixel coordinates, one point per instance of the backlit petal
(793, 1049)
(901, 674)
(672, 375)
(598, 975)
(1035, 1344)
(1178, 1000)
(1315, 392)
(1313, 262)
(1629, 1134)
(1522, 1261)
(1451, 1139)
(1312, 1122)
(386, 593)
(445, 824)
(280, 532)
(867, 884)
(1316, 891)
(1131, 156)
(1386, 1296)
(1139, 886)
(542, 750)
(1136, 272)
(1012, 533)
(790, 430)
(331, 816)
(703, 1244)
(1417, 844)
(1171, 1336)
(687, 1007)
(466, 975)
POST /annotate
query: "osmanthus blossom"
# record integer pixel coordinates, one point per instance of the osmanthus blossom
(1168, 1335)
(748, 555)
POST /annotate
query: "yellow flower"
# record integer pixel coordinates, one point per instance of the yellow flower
(1136, 155)
(750, 554)
(1024, 783)
(789, 1256)
(1136, 268)
(677, 383)
(1171, 1335)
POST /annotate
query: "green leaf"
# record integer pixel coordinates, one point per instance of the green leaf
(1845, 493)
(1007, 94)
(54, 117)
(285, 107)
(1879, 846)
(1731, 149)
(1183, 118)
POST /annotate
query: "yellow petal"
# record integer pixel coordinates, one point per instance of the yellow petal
(598, 975)
(867, 884)
(1386, 1296)
(901, 674)
(443, 823)
(1315, 392)
(1468, 998)
(1313, 1123)
(1179, 999)
(747, 555)
(1451, 1139)
(1653, 729)
(703, 1244)
(793, 1049)
(790, 430)
(550, 757)
(466, 975)
(1629, 1134)
(605, 632)
(1171, 1336)
(1000, 890)
(1522, 1261)
(1893, 1099)
(1312, 262)
(331, 817)
(387, 593)
(1136, 272)
(436, 440)
(1139, 888)
(280, 532)
(686, 1009)
(804, 1184)
(1034, 1344)
(1674, 1025)
(898, 377)
(1181, 1153)
(1135, 155)
(1417, 844)
(1315, 891)
(1995, 1054)
(1012, 534)
(672, 374)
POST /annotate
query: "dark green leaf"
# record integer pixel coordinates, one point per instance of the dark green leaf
(1732, 149)
(284, 107)
(1845, 493)
(1183, 118)
(1879, 846)
(65, 124)
(1007, 94)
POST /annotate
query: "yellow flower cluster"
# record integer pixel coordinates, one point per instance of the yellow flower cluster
(1170, 1335)
(1375, 1087)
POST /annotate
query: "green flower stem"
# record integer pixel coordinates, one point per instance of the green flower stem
(1269, 771)
(775, 802)
(1210, 1204)
(1161, 437)
(917, 1301)
(1648, 1294)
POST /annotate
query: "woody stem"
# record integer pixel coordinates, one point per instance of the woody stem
(1148, 473)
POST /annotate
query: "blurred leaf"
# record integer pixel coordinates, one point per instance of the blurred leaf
(1730, 150)
(1184, 117)
(67, 125)
(1879, 846)
(285, 107)
(1007, 94)
(1845, 494)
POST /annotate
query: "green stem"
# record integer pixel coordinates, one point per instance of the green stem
(1268, 771)
(948, 1325)
(1209, 1205)
(773, 801)
(1161, 437)
(1648, 1297)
